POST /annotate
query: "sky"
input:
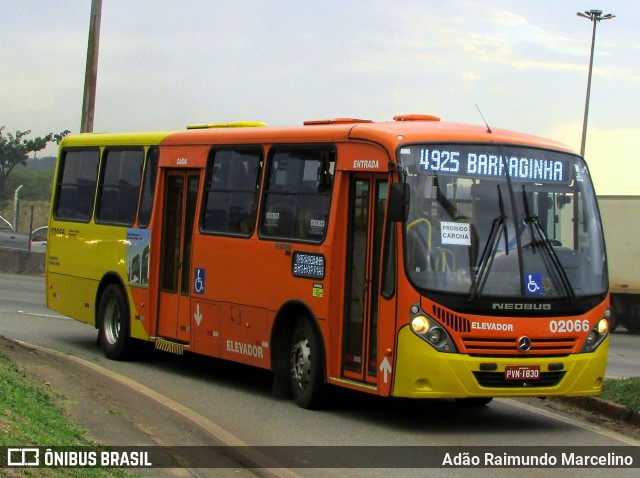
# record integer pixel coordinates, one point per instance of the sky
(165, 64)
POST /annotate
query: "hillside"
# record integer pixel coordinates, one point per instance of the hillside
(35, 178)
(48, 163)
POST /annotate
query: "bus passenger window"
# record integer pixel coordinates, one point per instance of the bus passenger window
(76, 185)
(119, 186)
(148, 187)
(231, 196)
(298, 193)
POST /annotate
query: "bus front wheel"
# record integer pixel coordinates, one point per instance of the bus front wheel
(114, 323)
(306, 366)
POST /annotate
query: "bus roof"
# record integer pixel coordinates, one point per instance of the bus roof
(392, 134)
(415, 128)
(113, 139)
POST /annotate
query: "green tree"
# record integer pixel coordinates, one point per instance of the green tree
(15, 149)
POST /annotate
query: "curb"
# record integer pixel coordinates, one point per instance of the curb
(251, 458)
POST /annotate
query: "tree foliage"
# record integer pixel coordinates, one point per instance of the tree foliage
(15, 149)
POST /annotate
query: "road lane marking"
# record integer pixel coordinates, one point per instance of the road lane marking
(35, 314)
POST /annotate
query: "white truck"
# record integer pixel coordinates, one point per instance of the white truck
(621, 220)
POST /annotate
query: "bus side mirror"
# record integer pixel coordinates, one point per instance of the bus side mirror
(399, 202)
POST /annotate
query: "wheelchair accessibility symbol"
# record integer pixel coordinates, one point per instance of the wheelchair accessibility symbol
(533, 284)
(198, 282)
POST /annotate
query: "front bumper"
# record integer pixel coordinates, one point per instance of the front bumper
(422, 372)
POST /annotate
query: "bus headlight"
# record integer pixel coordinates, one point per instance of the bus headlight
(435, 335)
(597, 335)
(592, 338)
(603, 326)
(420, 324)
(430, 331)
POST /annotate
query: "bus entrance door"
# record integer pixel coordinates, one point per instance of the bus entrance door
(180, 196)
(367, 204)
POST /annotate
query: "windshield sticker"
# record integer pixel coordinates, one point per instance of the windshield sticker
(533, 284)
(455, 233)
(316, 227)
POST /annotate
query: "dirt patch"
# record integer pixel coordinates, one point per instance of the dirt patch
(581, 410)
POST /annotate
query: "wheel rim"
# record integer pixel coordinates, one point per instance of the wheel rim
(112, 322)
(301, 362)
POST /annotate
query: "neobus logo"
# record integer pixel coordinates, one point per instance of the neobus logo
(519, 306)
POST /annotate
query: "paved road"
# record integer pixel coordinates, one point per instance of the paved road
(624, 355)
(237, 398)
(25, 295)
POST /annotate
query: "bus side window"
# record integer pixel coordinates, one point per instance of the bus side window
(76, 185)
(298, 193)
(231, 197)
(119, 186)
(148, 187)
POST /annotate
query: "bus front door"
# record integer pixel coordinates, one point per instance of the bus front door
(180, 196)
(367, 204)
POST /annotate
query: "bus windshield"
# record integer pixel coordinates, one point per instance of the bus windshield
(501, 221)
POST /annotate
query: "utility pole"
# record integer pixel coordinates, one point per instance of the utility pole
(595, 16)
(91, 72)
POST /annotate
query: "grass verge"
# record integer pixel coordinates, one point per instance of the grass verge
(31, 414)
(625, 392)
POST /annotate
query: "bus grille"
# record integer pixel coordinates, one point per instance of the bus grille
(492, 347)
(453, 321)
(497, 380)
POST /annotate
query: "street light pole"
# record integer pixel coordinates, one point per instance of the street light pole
(91, 72)
(595, 16)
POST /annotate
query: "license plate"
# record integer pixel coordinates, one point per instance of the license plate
(522, 372)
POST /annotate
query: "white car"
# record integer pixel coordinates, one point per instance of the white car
(39, 239)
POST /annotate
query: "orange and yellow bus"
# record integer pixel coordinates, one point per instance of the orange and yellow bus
(410, 258)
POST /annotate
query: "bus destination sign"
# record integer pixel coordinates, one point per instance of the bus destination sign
(308, 264)
(466, 160)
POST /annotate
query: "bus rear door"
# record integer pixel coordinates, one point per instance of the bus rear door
(180, 197)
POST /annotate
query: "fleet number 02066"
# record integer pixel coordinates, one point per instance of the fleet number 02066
(568, 326)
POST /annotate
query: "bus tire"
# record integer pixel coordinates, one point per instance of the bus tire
(113, 316)
(306, 371)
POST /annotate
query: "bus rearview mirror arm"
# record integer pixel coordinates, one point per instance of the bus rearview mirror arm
(399, 202)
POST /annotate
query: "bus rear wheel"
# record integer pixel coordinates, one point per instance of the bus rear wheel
(113, 316)
(306, 374)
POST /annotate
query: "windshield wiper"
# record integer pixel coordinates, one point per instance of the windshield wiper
(498, 226)
(547, 247)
